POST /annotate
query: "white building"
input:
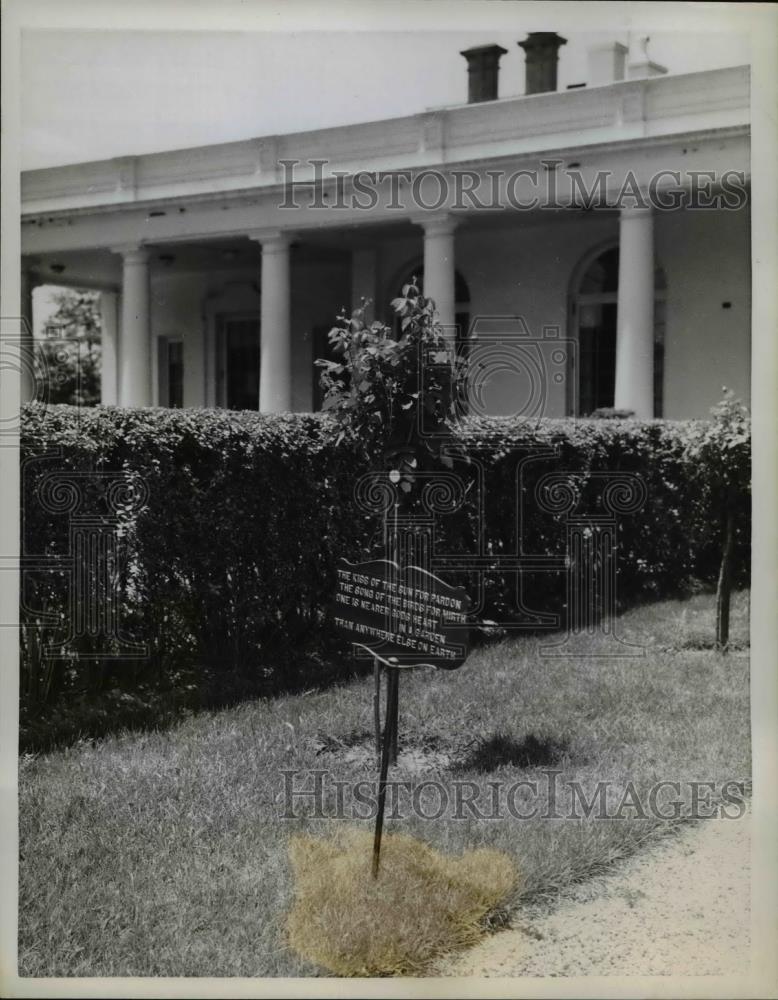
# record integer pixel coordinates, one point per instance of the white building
(215, 292)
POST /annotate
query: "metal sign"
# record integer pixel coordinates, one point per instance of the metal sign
(404, 616)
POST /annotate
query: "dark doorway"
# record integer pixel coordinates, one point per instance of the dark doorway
(239, 367)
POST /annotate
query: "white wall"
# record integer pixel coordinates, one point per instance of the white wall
(521, 272)
(184, 303)
(707, 261)
(527, 271)
(319, 292)
(524, 271)
(176, 313)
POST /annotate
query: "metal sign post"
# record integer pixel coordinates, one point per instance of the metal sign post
(389, 740)
(377, 708)
(403, 617)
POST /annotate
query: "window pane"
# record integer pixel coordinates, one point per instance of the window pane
(175, 373)
(597, 334)
(597, 353)
(242, 362)
(659, 356)
(602, 274)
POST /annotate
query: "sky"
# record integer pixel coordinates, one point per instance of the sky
(109, 91)
(96, 94)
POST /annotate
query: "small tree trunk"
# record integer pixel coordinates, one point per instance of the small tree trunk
(724, 588)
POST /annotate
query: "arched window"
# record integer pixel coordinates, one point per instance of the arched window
(461, 296)
(594, 318)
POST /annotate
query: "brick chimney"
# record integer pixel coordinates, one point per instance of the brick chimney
(483, 68)
(542, 55)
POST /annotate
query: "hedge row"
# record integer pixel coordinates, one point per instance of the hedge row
(230, 525)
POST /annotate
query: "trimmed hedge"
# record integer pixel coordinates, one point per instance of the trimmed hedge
(231, 538)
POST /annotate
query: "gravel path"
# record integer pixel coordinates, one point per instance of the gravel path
(682, 908)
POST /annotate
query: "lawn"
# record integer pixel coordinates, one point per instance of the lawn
(165, 853)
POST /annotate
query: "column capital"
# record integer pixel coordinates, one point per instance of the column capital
(271, 240)
(436, 223)
(133, 253)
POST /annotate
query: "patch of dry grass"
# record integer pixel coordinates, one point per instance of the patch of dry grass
(423, 903)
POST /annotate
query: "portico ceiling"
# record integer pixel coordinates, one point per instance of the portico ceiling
(100, 268)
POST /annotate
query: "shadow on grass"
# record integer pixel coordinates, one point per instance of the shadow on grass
(502, 750)
(483, 755)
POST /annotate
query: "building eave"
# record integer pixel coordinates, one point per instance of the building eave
(257, 194)
(654, 110)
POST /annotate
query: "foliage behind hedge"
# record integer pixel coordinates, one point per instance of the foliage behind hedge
(230, 561)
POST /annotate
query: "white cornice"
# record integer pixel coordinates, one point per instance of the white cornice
(256, 195)
(656, 109)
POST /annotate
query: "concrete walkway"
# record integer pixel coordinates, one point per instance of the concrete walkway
(682, 909)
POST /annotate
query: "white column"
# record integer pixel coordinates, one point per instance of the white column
(439, 281)
(108, 349)
(134, 355)
(635, 317)
(27, 387)
(275, 365)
